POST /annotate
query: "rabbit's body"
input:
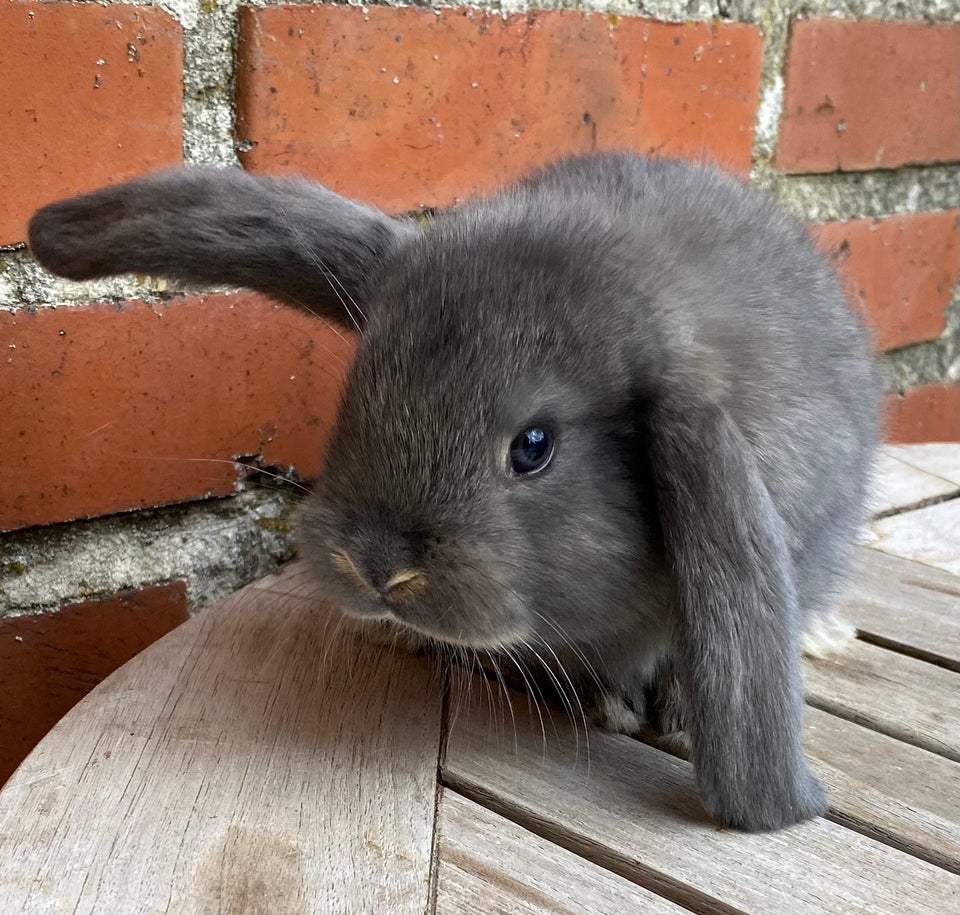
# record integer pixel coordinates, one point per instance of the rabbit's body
(693, 400)
(602, 283)
(748, 309)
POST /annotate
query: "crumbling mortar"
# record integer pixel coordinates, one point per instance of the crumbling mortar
(934, 362)
(215, 546)
(857, 195)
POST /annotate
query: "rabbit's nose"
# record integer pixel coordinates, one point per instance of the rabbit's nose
(395, 587)
(387, 557)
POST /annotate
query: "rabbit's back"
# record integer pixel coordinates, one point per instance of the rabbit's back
(741, 290)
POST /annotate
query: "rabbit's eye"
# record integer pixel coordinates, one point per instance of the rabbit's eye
(531, 451)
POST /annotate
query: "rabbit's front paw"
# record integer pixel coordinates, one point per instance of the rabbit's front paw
(669, 716)
(613, 712)
(764, 801)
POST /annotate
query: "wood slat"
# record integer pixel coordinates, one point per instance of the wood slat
(929, 535)
(242, 764)
(941, 459)
(899, 485)
(887, 789)
(890, 692)
(491, 866)
(636, 811)
(905, 604)
(895, 792)
(250, 762)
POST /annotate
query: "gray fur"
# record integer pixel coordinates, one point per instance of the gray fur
(712, 396)
(223, 227)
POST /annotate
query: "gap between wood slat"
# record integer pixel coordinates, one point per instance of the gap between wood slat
(899, 486)
(836, 814)
(905, 841)
(950, 592)
(890, 693)
(904, 603)
(911, 651)
(872, 831)
(905, 458)
(434, 887)
(882, 727)
(491, 864)
(930, 455)
(636, 872)
(920, 503)
(929, 536)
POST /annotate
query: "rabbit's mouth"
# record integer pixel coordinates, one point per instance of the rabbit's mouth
(438, 623)
(477, 641)
(416, 632)
(431, 605)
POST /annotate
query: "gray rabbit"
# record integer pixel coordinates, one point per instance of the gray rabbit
(619, 410)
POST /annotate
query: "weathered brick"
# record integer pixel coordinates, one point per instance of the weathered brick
(410, 107)
(50, 661)
(900, 271)
(928, 413)
(106, 408)
(868, 94)
(92, 94)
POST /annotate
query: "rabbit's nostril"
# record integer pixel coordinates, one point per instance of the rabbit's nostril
(404, 586)
(399, 588)
(344, 564)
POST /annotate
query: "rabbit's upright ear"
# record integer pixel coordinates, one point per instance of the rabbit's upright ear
(736, 621)
(291, 239)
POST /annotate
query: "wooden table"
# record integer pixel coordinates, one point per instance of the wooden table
(260, 759)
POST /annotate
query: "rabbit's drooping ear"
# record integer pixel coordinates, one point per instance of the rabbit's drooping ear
(291, 239)
(736, 621)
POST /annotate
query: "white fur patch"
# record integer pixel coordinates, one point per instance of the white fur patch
(614, 714)
(829, 634)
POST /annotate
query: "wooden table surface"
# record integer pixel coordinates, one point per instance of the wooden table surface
(261, 759)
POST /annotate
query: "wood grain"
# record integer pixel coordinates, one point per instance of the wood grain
(941, 459)
(899, 484)
(929, 535)
(636, 812)
(260, 759)
(891, 693)
(245, 763)
(490, 866)
(905, 605)
(895, 792)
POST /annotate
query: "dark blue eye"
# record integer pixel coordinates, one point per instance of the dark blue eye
(531, 451)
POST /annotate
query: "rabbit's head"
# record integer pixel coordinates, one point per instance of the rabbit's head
(480, 486)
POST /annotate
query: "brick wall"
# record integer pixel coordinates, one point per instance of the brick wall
(127, 406)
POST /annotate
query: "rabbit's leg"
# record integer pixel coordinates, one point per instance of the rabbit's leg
(614, 711)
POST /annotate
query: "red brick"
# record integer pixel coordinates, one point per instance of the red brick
(929, 413)
(93, 94)
(409, 107)
(50, 661)
(864, 95)
(900, 271)
(108, 408)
